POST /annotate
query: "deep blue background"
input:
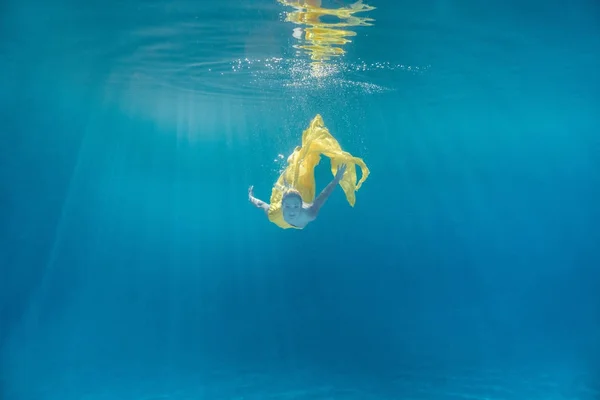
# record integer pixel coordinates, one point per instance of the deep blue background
(128, 249)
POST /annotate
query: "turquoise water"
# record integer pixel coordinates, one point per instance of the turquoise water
(132, 265)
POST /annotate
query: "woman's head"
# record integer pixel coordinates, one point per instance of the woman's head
(291, 205)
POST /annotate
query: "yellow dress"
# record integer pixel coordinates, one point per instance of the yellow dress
(299, 174)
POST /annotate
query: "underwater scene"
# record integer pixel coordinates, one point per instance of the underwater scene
(299, 199)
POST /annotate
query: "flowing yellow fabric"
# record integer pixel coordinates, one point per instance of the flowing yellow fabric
(299, 174)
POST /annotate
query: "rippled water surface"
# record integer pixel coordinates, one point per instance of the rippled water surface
(193, 51)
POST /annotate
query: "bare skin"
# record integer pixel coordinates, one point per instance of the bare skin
(295, 211)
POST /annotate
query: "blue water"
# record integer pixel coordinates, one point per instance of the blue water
(132, 265)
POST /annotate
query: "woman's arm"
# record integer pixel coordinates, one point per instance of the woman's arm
(325, 193)
(257, 202)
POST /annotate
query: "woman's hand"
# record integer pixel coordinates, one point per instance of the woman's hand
(340, 172)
